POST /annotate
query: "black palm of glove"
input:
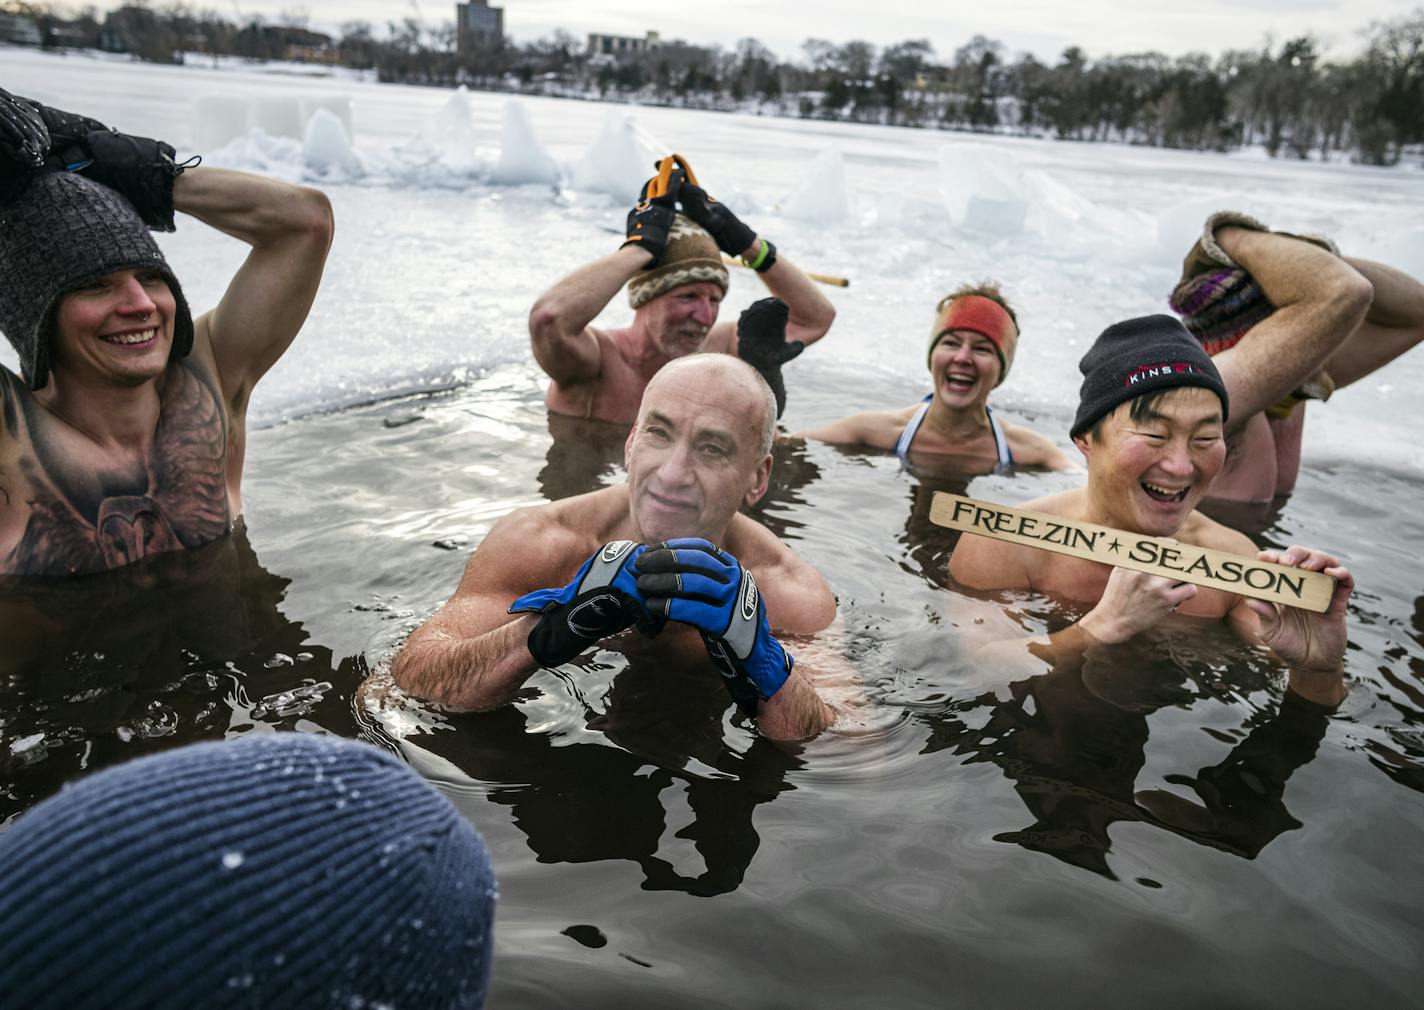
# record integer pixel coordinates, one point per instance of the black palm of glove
(651, 220)
(762, 343)
(733, 237)
(140, 169)
(24, 142)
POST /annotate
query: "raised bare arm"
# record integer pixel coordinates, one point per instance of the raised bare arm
(558, 323)
(1319, 298)
(289, 229)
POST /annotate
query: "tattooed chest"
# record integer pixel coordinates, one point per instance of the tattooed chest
(88, 518)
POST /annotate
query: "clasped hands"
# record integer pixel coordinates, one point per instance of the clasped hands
(690, 581)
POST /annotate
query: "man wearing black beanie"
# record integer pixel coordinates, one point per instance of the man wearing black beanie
(124, 434)
(1151, 415)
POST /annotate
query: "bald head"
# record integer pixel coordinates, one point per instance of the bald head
(733, 380)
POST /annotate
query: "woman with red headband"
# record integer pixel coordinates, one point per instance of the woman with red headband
(971, 349)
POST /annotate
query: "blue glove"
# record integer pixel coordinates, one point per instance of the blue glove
(602, 600)
(693, 582)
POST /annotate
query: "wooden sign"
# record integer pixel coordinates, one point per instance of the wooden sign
(1201, 566)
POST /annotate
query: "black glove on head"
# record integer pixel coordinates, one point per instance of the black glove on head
(24, 142)
(762, 343)
(733, 237)
(138, 168)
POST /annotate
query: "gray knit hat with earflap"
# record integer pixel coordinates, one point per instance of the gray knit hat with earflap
(63, 232)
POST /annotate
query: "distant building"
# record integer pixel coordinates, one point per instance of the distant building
(478, 24)
(617, 45)
(19, 30)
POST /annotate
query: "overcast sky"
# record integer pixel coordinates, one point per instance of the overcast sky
(1043, 27)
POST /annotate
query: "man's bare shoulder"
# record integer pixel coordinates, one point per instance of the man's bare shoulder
(798, 599)
(541, 545)
(1204, 531)
(985, 563)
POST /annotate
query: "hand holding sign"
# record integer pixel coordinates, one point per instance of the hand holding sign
(1307, 586)
(1310, 643)
(1133, 602)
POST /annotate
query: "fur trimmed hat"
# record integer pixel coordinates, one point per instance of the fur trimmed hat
(61, 233)
(691, 257)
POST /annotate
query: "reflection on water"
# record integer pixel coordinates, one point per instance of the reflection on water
(583, 455)
(1074, 742)
(1131, 810)
(187, 646)
(584, 802)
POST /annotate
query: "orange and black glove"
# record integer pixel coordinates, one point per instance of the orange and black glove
(651, 220)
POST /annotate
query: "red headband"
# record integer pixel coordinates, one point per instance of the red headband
(983, 316)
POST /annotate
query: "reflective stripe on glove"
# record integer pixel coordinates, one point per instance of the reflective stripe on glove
(602, 600)
(651, 220)
(693, 582)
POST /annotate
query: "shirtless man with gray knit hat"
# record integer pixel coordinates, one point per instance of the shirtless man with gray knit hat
(124, 435)
(672, 266)
(1302, 320)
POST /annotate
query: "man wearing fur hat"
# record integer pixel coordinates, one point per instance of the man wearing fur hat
(672, 266)
(1302, 321)
(124, 435)
(1152, 411)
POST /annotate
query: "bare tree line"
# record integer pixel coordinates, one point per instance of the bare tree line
(1289, 98)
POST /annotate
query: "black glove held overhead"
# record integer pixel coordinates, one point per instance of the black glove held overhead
(140, 169)
(733, 237)
(762, 343)
(24, 142)
(651, 220)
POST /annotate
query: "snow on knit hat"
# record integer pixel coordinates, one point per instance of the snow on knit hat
(1140, 356)
(61, 233)
(281, 870)
(691, 256)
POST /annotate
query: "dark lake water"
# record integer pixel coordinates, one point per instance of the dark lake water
(1162, 826)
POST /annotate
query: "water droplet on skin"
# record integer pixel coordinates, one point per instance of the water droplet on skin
(232, 860)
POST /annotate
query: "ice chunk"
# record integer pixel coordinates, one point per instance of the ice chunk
(619, 160)
(522, 158)
(451, 133)
(278, 117)
(218, 120)
(983, 188)
(338, 105)
(823, 197)
(327, 147)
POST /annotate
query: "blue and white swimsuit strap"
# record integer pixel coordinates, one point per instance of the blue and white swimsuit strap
(1001, 441)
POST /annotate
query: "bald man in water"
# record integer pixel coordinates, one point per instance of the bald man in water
(641, 555)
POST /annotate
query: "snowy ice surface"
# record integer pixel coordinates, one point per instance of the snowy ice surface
(455, 209)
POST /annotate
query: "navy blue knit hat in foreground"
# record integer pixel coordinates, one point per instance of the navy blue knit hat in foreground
(1140, 356)
(286, 870)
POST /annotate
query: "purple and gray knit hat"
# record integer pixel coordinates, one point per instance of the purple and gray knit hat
(61, 233)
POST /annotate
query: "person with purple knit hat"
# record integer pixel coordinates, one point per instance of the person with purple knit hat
(1298, 320)
(124, 434)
